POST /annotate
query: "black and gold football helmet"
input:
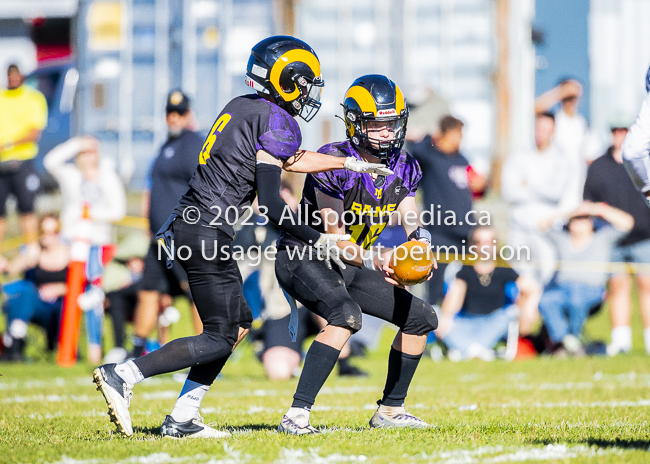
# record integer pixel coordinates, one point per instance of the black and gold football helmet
(287, 69)
(375, 102)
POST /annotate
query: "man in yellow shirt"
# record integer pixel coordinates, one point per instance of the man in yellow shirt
(23, 116)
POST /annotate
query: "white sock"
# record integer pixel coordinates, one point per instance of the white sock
(188, 403)
(295, 412)
(129, 372)
(391, 410)
(646, 339)
(622, 337)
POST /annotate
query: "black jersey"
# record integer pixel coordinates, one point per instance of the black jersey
(367, 204)
(223, 185)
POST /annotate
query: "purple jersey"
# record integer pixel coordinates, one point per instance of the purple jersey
(371, 202)
(225, 176)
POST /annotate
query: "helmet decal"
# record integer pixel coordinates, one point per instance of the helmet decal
(363, 98)
(287, 58)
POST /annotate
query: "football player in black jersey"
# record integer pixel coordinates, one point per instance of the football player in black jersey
(252, 140)
(375, 115)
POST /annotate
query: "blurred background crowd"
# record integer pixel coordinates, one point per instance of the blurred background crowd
(517, 108)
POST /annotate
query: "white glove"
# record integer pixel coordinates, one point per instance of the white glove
(357, 165)
(327, 249)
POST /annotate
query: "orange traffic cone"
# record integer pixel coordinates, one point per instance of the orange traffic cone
(76, 281)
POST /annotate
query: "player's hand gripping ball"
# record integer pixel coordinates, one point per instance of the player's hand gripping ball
(412, 262)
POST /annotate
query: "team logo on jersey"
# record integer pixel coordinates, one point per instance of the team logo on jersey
(169, 152)
(398, 189)
(378, 192)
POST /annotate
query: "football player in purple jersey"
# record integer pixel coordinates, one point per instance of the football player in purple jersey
(375, 114)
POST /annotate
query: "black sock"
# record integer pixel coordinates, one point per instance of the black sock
(206, 373)
(401, 367)
(319, 362)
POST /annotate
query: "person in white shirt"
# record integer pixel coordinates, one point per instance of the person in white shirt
(538, 185)
(88, 184)
(636, 147)
(86, 181)
(572, 134)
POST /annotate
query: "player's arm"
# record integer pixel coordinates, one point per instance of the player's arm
(267, 177)
(311, 162)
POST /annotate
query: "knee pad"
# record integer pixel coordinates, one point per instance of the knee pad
(207, 347)
(348, 317)
(422, 319)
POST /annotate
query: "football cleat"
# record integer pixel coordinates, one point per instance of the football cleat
(117, 394)
(294, 426)
(400, 418)
(194, 428)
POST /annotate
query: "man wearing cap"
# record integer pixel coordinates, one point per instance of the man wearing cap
(608, 182)
(168, 178)
(23, 116)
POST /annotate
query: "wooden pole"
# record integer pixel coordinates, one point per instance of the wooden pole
(502, 92)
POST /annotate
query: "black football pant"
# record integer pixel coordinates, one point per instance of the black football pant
(216, 285)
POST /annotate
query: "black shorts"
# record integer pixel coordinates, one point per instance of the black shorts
(340, 296)
(276, 331)
(215, 280)
(156, 276)
(23, 182)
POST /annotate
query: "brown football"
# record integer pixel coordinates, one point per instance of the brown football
(412, 262)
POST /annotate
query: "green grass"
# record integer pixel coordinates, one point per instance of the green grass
(540, 410)
(593, 410)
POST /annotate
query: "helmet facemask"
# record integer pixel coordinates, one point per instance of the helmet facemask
(381, 137)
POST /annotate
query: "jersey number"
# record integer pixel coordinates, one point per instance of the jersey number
(216, 129)
(368, 234)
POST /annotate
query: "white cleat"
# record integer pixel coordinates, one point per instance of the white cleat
(298, 425)
(117, 394)
(398, 418)
(194, 428)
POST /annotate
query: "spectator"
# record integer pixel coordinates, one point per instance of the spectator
(576, 288)
(92, 186)
(446, 187)
(23, 116)
(608, 182)
(38, 298)
(572, 134)
(169, 177)
(482, 307)
(538, 184)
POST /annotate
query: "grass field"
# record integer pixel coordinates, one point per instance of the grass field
(542, 410)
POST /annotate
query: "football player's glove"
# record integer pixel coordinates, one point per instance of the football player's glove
(374, 102)
(357, 165)
(287, 69)
(328, 250)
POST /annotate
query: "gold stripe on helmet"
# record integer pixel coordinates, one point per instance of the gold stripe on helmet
(399, 100)
(363, 98)
(297, 54)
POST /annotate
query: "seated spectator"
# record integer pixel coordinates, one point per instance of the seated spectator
(89, 187)
(475, 313)
(38, 298)
(580, 281)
